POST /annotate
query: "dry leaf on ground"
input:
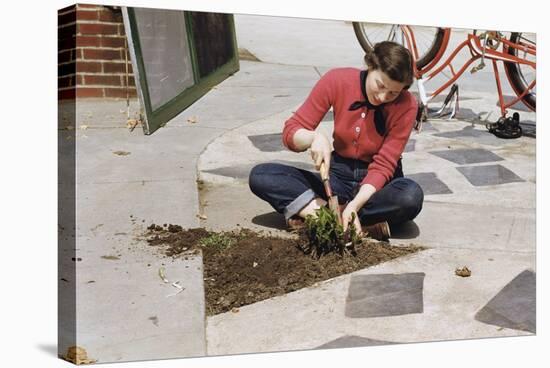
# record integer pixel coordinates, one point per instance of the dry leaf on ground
(463, 272)
(121, 153)
(78, 355)
(132, 123)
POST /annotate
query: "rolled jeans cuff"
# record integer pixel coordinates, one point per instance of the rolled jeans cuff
(296, 205)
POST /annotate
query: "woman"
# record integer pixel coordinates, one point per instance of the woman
(374, 114)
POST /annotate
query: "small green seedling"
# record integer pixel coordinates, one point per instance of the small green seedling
(220, 241)
(325, 235)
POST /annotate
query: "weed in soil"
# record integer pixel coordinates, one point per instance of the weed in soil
(252, 266)
(220, 241)
(324, 235)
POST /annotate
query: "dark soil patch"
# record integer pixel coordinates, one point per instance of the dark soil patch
(252, 266)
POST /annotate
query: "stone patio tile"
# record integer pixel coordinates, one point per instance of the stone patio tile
(489, 175)
(514, 306)
(350, 341)
(385, 295)
(468, 155)
(430, 183)
(268, 142)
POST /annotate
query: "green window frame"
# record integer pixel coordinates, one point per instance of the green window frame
(154, 118)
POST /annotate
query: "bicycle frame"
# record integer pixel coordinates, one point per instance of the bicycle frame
(477, 51)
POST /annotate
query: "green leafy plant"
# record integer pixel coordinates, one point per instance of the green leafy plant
(214, 240)
(325, 235)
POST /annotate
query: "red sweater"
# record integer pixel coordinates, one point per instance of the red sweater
(355, 133)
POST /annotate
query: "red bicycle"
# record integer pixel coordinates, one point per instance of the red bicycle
(517, 51)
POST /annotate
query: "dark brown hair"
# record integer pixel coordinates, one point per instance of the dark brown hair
(392, 59)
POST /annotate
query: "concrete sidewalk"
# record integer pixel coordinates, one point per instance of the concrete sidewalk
(479, 212)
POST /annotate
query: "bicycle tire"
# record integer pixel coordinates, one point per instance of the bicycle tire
(515, 76)
(422, 61)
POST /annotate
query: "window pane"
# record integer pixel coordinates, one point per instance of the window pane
(165, 52)
(213, 36)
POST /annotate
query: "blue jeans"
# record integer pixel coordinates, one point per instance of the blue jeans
(289, 189)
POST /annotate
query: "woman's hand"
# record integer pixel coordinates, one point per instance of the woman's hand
(361, 198)
(320, 150)
(349, 213)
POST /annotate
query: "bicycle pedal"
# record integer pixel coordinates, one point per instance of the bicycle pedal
(477, 68)
(506, 127)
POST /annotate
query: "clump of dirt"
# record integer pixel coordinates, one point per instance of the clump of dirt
(243, 267)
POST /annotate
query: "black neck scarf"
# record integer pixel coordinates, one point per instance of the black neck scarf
(379, 120)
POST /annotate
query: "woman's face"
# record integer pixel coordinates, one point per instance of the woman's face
(381, 88)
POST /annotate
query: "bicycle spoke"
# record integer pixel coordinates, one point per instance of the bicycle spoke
(424, 47)
(533, 43)
(427, 38)
(375, 32)
(373, 37)
(522, 77)
(391, 36)
(527, 74)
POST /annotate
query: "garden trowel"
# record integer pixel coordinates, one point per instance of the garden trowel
(332, 199)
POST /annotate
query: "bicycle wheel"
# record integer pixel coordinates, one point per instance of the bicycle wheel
(428, 39)
(521, 76)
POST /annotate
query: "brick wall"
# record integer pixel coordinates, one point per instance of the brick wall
(91, 53)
